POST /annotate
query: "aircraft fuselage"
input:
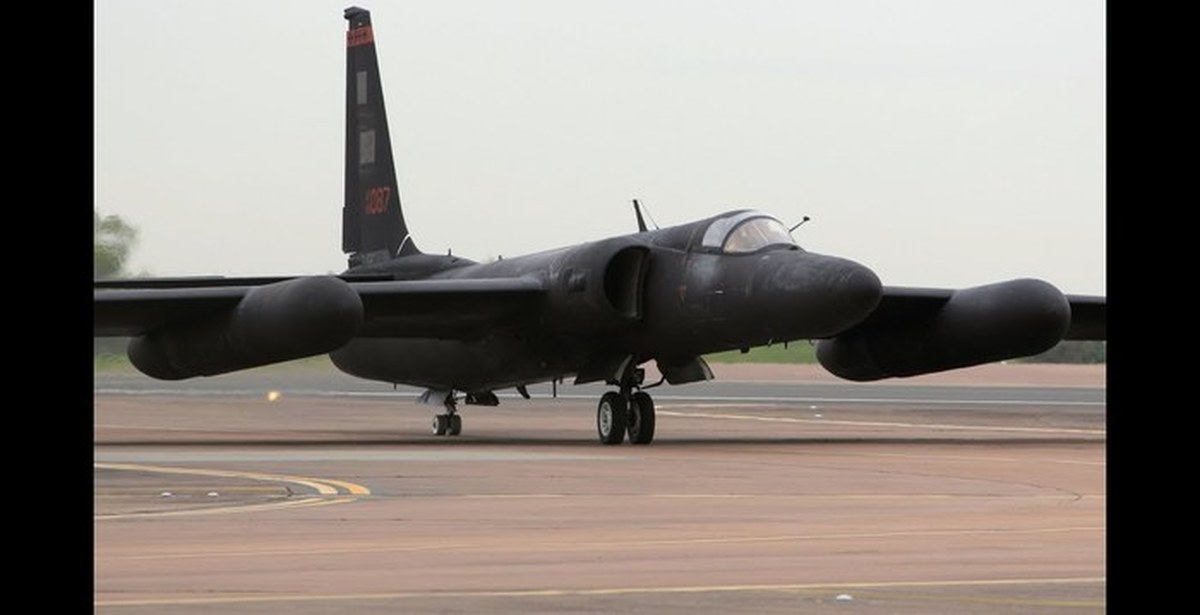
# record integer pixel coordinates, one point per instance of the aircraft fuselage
(657, 295)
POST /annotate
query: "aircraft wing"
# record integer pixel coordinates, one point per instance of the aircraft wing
(442, 308)
(901, 305)
(915, 331)
(446, 309)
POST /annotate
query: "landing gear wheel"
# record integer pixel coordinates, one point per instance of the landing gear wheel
(455, 426)
(612, 417)
(441, 424)
(641, 418)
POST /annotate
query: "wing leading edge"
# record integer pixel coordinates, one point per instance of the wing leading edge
(447, 309)
(916, 331)
(905, 304)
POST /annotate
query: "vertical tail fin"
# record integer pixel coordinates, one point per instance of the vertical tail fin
(373, 227)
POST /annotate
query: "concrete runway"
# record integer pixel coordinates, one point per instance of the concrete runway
(981, 491)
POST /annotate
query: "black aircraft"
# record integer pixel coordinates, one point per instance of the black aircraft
(596, 311)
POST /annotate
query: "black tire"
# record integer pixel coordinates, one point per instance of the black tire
(455, 426)
(641, 418)
(612, 418)
(441, 422)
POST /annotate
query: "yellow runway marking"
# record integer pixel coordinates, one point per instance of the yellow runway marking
(552, 593)
(324, 487)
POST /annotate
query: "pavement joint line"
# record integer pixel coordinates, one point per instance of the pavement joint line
(552, 593)
(588, 546)
(590, 397)
(944, 426)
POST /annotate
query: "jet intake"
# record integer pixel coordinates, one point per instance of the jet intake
(623, 278)
(598, 288)
(975, 325)
(277, 322)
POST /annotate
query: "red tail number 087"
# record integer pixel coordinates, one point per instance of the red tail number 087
(377, 200)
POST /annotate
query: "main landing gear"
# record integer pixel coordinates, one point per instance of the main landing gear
(626, 411)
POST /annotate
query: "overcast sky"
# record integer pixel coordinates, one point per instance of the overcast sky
(942, 143)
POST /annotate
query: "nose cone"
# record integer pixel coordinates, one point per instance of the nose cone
(822, 295)
(851, 292)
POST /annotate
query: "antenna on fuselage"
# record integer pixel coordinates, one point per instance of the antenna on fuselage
(806, 219)
(637, 209)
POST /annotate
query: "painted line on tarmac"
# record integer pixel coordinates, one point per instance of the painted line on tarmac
(755, 399)
(571, 546)
(224, 510)
(876, 400)
(942, 426)
(617, 591)
(327, 488)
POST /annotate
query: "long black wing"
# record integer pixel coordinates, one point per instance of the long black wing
(447, 309)
(904, 304)
(1089, 318)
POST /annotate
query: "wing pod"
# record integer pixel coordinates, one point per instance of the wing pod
(277, 322)
(598, 287)
(917, 332)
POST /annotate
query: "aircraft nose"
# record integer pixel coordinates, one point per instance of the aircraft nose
(822, 295)
(858, 291)
(845, 292)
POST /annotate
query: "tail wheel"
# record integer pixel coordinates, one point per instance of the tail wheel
(641, 418)
(441, 424)
(612, 418)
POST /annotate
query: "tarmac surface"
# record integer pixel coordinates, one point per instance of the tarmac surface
(775, 489)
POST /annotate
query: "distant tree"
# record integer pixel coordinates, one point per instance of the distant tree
(114, 240)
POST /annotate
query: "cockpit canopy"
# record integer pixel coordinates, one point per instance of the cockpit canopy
(746, 231)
